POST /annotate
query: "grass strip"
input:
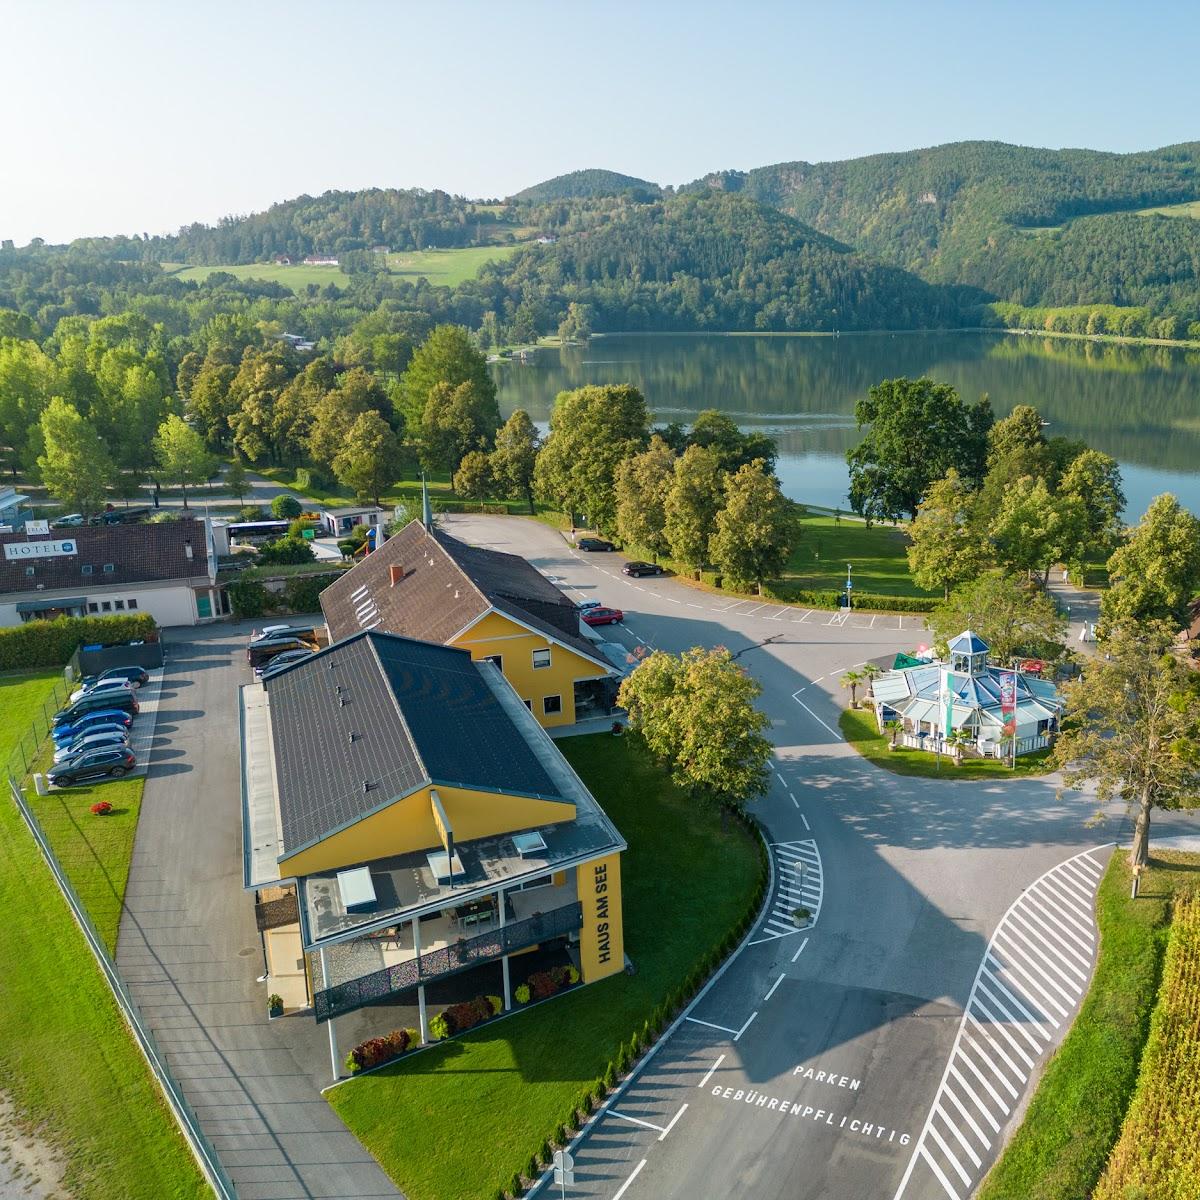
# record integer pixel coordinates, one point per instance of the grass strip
(858, 728)
(67, 1061)
(461, 1119)
(1075, 1116)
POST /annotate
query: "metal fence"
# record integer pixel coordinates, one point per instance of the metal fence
(21, 762)
(446, 960)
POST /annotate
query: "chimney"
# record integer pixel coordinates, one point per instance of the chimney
(395, 573)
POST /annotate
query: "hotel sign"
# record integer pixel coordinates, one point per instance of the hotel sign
(28, 551)
(600, 900)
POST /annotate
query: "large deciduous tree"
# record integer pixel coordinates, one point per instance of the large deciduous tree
(1020, 430)
(515, 457)
(918, 431)
(1034, 528)
(691, 507)
(474, 479)
(716, 431)
(75, 464)
(755, 528)
(457, 420)
(945, 547)
(446, 356)
(642, 483)
(28, 378)
(357, 392)
(1094, 480)
(695, 714)
(369, 460)
(181, 454)
(1132, 724)
(1156, 573)
(592, 429)
(1012, 615)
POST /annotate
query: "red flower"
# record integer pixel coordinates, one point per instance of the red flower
(102, 808)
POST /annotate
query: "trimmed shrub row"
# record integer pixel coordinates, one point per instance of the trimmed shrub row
(458, 1018)
(468, 506)
(641, 1039)
(51, 643)
(786, 593)
(543, 984)
(374, 1052)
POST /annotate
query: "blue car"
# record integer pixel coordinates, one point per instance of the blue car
(98, 718)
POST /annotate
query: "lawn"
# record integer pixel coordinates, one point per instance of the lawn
(296, 277)
(858, 728)
(878, 555)
(67, 1062)
(460, 1119)
(1189, 208)
(1075, 1117)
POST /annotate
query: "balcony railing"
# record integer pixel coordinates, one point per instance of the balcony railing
(448, 960)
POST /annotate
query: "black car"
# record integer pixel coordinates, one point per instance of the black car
(264, 650)
(137, 676)
(114, 698)
(638, 569)
(107, 763)
(281, 661)
(590, 543)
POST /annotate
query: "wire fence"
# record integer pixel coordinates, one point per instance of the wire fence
(21, 762)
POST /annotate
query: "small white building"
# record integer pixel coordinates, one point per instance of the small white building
(167, 569)
(340, 522)
(320, 260)
(967, 694)
(12, 507)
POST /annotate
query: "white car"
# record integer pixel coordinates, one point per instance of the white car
(105, 685)
(68, 522)
(586, 605)
(269, 631)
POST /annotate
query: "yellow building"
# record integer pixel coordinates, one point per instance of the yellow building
(406, 820)
(425, 584)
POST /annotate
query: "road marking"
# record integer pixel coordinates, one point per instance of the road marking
(781, 779)
(1035, 965)
(691, 605)
(625, 1186)
(800, 951)
(873, 620)
(722, 1028)
(778, 616)
(709, 1073)
(806, 824)
(800, 883)
(612, 1112)
(743, 1029)
(796, 697)
(752, 610)
(796, 803)
(771, 990)
(671, 1124)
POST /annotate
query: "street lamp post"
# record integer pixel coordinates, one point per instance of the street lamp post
(849, 586)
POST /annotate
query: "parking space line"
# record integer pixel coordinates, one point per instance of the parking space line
(662, 1137)
(625, 1186)
(722, 1028)
(612, 1112)
(737, 1036)
(709, 1073)
(806, 824)
(814, 716)
(771, 990)
(800, 951)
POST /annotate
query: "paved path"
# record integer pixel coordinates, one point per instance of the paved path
(190, 952)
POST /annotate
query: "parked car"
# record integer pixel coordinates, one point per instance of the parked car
(93, 722)
(638, 569)
(107, 699)
(591, 543)
(274, 665)
(267, 632)
(111, 762)
(68, 522)
(108, 685)
(603, 616)
(586, 605)
(105, 736)
(265, 649)
(138, 676)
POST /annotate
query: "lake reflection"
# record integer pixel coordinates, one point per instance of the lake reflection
(1139, 404)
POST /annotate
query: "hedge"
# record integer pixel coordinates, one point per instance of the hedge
(51, 643)
(786, 593)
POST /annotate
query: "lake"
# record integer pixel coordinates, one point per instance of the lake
(1141, 404)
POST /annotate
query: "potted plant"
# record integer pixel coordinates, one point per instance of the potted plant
(101, 808)
(801, 916)
(274, 1005)
(893, 729)
(617, 729)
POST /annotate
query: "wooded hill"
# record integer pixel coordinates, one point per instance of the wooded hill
(579, 185)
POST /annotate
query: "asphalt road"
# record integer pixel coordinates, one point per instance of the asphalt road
(886, 1051)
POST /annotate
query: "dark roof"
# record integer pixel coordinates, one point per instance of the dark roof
(441, 585)
(377, 716)
(137, 554)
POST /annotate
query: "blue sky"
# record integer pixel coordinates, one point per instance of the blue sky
(130, 117)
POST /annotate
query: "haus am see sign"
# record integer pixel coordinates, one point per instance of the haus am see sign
(26, 551)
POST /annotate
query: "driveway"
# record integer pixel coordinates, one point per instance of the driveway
(190, 953)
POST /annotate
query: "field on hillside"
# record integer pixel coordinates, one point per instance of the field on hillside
(444, 267)
(1190, 208)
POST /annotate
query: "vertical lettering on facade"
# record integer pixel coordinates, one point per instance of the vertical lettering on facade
(600, 898)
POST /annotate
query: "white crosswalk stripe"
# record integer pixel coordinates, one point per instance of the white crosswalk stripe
(1033, 974)
(799, 883)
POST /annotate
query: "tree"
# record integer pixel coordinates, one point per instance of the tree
(716, 431)
(918, 431)
(357, 392)
(592, 429)
(1132, 724)
(1020, 430)
(691, 506)
(695, 714)
(853, 680)
(576, 326)
(370, 459)
(641, 487)
(446, 356)
(209, 403)
(286, 508)
(1034, 529)
(74, 462)
(457, 420)
(1010, 614)
(1156, 573)
(1094, 480)
(252, 399)
(235, 479)
(181, 454)
(473, 479)
(754, 530)
(945, 547)
(515, 457)
(28, 378)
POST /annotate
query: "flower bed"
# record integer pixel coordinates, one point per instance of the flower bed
(101, 808)
(458, 1018)
(374, 1052)
(543, 984)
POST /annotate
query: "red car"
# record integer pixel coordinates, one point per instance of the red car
(602, 616)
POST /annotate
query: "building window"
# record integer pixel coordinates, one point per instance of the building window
(538, 881)
(86, 569)
(105, 606)
(109, 568)
(497, 659)
(133, 604)
(119, 604)
(93, 606)
(528, 704)
(541, 658)
(551, 705)
(29, 570)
